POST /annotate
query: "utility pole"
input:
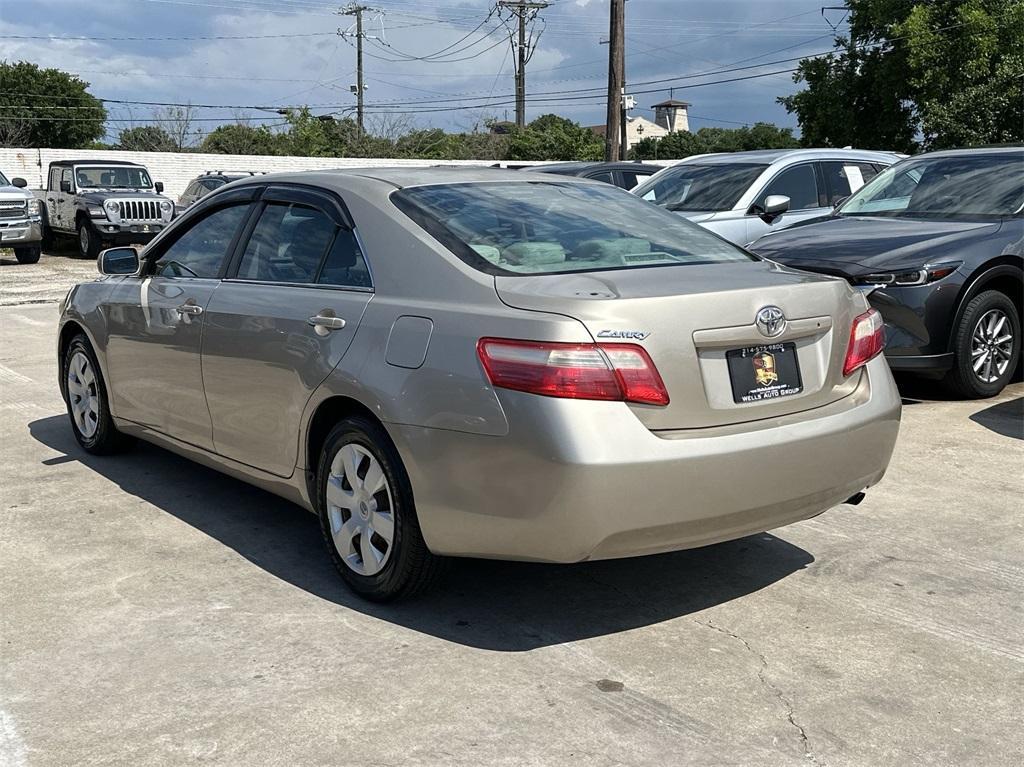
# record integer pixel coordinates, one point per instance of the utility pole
(520, 9)
(353, 9)
(615, 122)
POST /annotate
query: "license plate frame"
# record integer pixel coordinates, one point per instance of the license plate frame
(764, 372)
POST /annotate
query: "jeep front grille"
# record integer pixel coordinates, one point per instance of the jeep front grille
(139, 210)
(12, 209)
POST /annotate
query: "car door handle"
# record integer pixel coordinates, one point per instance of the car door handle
(324, 324)
(192, 309)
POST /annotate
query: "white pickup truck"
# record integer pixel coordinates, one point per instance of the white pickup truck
(20, 220)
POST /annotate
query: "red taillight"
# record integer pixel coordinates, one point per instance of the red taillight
(622, 372)
(867, 338)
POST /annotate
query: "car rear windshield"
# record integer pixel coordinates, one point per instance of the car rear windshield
(533, 227)
(944, 187)
(700, 187)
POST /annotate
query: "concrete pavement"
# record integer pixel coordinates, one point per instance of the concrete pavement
(154, 612)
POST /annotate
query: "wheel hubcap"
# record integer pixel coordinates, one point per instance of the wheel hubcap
(83, 239)
(360, 510)
(992, 346)
(83, 396)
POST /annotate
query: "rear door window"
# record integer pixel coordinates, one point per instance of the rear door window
(798, 183)
(844, 178)
(299, 244)
(604, 175)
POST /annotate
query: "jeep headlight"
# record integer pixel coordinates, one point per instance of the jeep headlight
(166, 206)
(112, 207)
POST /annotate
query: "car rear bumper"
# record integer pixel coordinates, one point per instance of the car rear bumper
(586, 480)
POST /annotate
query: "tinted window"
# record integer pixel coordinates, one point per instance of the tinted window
(958, 185)
(604, 175)
(536, 227)
(798, 184)
(630, 178)
(200, 251)
(345, 265)
(287, 245)
(844, 178)
(700, 187)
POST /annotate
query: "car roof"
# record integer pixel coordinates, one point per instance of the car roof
(582, 167)
(400, 177)
(771, 156)
(1009, 150)
(94, 161)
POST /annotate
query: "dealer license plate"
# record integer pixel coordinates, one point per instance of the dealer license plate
(764, 372)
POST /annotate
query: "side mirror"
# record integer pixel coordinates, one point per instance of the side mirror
(776, 204)
(65, 186)
(118, 261)
(19, 182)
(159, 186)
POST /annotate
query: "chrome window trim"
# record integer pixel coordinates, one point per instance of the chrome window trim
(313, 285)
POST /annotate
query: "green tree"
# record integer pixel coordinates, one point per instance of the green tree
(947, 72)
(145, 138)
(551, 137)
(681, 144)
(239, 138)
(47, 108)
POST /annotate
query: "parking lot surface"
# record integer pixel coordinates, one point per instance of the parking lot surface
(154, 612)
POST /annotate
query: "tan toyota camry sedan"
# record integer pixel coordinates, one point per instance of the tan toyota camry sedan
(481, 363)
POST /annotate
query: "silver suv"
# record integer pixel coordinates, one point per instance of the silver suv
(744, 195)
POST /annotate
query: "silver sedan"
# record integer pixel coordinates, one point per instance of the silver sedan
(481, 363)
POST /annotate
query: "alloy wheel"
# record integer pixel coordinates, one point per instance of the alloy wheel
(83, 239)
(992, 346)
(83, 396)
(360, 509)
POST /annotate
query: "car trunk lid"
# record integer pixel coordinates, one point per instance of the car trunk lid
(689, 318)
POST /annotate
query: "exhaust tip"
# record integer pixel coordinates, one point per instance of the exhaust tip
(855, 499)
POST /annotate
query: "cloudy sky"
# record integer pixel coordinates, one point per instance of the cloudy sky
(435, 62)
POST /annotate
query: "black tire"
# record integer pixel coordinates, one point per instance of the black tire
(89, 242)
(29, 255)
(106, 439)
(962, 379)
(410, 568)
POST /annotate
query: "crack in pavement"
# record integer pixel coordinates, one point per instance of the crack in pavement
(772, 688)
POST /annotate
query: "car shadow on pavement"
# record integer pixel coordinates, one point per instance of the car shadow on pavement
(1005, 418)
(500, 606)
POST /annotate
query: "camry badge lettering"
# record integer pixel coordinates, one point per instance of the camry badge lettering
(638, 335)
(770, 321)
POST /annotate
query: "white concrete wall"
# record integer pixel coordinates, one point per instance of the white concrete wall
(176, 169)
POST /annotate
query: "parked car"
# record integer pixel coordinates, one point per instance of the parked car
(20, 227)
(103, 202)
(621, 174)
(744, 195)
(477, 363)
(939, 242)
(202, 185)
